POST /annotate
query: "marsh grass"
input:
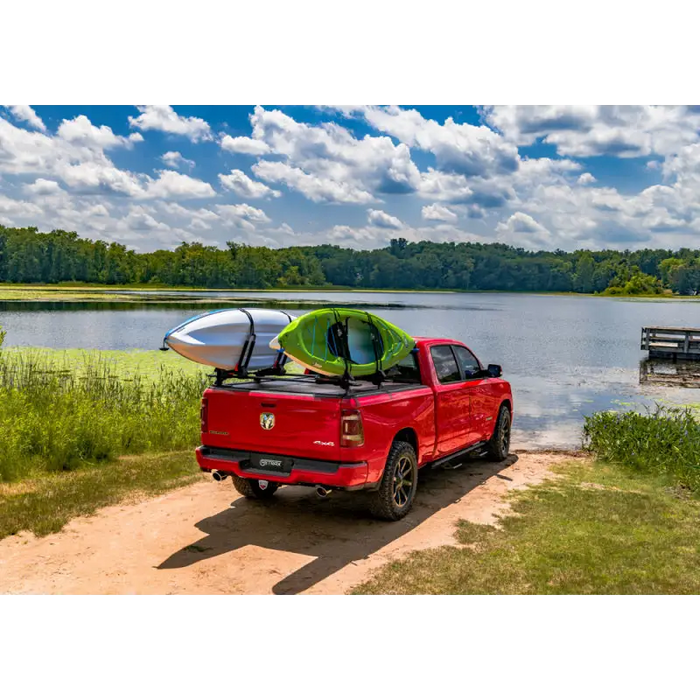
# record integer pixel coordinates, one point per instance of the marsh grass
(60, 411)
(663, 441)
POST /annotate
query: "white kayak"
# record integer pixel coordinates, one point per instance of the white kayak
(217, 338)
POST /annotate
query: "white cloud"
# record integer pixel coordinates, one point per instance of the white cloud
(458, 189)
(602, 217)
(377, 217)
(25, 113)
(201, 219)
(244, 144)
(521, 223)
(175, 159)
(244, 186)
(460, 148)
(586, 179)
(165, 118)
(344, 110)
(326, 162)
(522, 230)
(349, 235)
(97, 210)
(79, 165)
(81, 132)
(99, 175)
(313, 187)
(140, 218)
(585, 131)
(242, 215)
(171, 184)
(436, 212)
(18, 207)
(43, 187)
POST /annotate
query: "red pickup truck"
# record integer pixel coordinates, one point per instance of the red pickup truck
(434, 407)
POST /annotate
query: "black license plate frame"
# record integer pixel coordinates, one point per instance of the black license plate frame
(276, 464)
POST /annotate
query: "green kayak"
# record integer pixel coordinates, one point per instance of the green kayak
(333, 341)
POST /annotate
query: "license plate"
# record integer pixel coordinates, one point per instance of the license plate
(271, 463)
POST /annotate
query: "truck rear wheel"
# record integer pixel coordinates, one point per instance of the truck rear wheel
(499, 444)
(254, 488)
(397, 489)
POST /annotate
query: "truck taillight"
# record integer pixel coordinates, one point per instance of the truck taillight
(352, 433)
(203, 414)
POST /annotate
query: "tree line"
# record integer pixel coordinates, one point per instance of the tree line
(29, 256)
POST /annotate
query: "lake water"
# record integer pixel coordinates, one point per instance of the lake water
(565, 356)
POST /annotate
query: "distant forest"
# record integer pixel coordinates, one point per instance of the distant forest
(28, 256)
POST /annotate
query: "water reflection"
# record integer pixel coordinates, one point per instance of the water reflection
(672, 374)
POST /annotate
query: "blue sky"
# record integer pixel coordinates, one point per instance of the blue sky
(535, 177)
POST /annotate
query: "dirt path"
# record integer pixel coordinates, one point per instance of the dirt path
(205, 539)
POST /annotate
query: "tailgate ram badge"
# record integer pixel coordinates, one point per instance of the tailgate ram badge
(267, 421)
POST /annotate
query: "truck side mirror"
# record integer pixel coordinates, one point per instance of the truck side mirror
(495, 371)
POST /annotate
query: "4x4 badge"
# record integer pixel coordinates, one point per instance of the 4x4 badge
(267, 421)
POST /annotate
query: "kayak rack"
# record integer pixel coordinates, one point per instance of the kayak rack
(240, 371)
(279, 373)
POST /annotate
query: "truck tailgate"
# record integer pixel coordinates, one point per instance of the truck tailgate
(290, 424)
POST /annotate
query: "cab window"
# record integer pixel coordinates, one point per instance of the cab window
(467, 362)
(406, 370)
(445, 364)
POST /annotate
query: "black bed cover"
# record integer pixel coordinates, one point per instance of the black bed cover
(307, 385)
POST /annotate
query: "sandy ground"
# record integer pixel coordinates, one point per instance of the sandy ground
(206, 539)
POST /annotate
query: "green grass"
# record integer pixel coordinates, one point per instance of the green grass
(597, 529)
(663, 441)
(45, 504)
(62, 411)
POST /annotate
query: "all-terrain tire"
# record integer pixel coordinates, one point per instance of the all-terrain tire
(499, 444)
(252, 488)
(397, 490)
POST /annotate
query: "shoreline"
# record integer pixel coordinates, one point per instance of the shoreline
(109, 294)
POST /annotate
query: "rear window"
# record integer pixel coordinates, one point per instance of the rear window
(445, 364)
(406, 370)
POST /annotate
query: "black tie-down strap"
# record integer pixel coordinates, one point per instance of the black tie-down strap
(281, 358)
(240, 371)
(241, 368)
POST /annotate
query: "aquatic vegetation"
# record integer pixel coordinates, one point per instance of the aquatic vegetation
(664, 440)
(57, 412)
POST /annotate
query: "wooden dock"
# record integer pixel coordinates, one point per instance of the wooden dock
(667, 342)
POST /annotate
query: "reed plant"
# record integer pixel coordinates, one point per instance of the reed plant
(663, 440)
(55, 415)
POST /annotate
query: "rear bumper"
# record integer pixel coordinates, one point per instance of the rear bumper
(349, 476)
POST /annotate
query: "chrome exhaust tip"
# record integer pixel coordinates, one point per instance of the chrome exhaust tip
(218, 476)
(322, 491)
